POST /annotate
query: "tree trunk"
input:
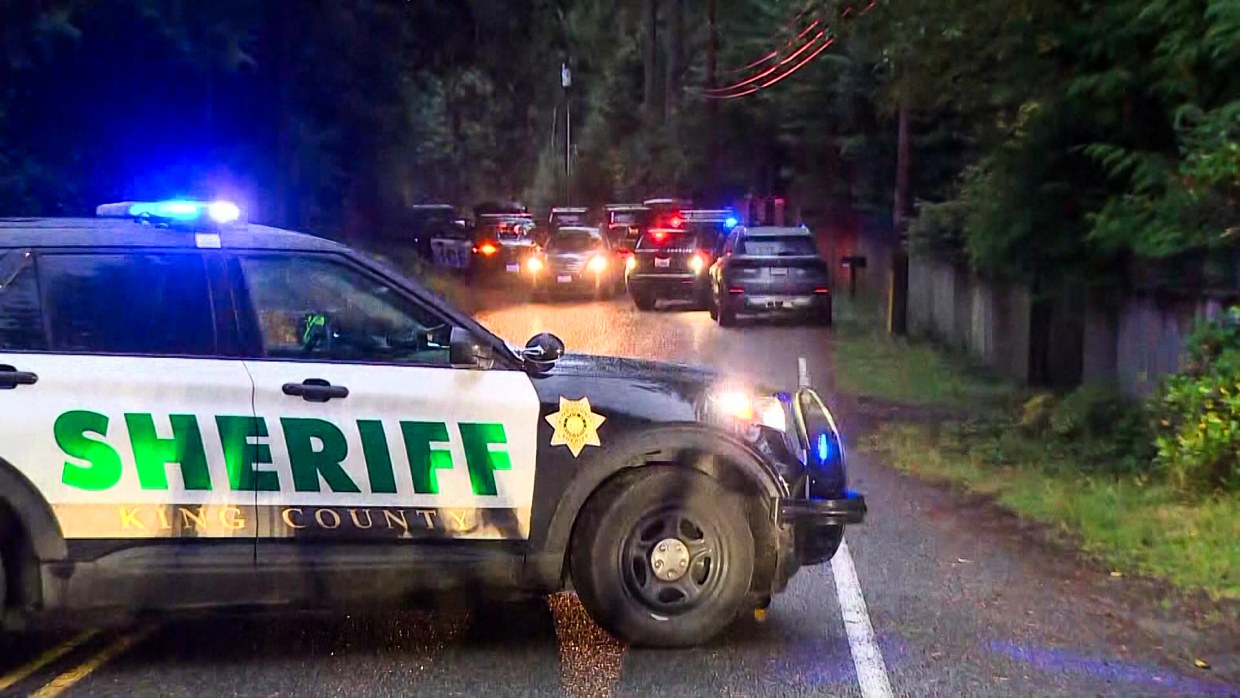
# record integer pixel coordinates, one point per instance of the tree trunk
(712, 105)
(287, 195)
(676, 56)
(651, 87)
(903, 203)
(898, 291)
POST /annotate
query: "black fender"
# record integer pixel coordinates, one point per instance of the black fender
(633, 450)
(34, 513)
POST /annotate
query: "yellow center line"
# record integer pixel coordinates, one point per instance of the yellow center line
(24, 672)
(67, 680)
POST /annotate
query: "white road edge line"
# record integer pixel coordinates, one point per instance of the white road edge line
(872, 675)
(867, 657)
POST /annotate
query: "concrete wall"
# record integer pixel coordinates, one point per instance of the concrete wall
(1151, 334)
(1062, 336)
(988, 321)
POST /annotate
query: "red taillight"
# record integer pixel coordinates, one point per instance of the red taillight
(676, 221)
(735, 289)
(821, 289)
(659, 236)
(487, 249)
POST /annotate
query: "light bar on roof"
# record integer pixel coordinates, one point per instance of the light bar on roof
(173, 211)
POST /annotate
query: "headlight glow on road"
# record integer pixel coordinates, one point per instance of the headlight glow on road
(598, 264)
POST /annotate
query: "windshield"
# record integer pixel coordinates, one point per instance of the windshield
(570, 218)
(573, 241)
(799, 246)
(658, 239)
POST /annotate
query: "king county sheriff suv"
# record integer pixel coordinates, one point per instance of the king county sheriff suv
(198, 411)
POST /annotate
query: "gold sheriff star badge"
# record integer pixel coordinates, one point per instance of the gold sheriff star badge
(576, 425)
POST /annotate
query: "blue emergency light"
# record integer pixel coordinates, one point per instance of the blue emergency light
(730, 222)
(174, 211)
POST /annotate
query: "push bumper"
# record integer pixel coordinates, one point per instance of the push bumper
(757, 302)
(849, 509)
(668, 285)
(817, 525)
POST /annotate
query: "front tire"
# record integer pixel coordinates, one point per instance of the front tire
(660, 557)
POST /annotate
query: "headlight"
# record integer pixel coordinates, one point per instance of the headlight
(697, 263)
(630, 263)
(598, 264)
(534, 264)
(748, 408)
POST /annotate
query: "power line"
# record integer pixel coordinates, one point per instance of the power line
(805, 61)
(775, 54)
(792, 56)
(766, 78)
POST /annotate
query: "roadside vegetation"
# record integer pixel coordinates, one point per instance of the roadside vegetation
(1149, 488)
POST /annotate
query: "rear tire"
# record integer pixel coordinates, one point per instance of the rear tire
(713, 308)
(727, 314)
(615, 549)
(824, 316)
(643, 301)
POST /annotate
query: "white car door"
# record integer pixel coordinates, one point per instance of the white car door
(113, 398)
(369, 432)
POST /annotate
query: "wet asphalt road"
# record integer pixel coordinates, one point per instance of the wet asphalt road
(957, 607)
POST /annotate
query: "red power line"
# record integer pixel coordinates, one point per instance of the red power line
(768, 71)
(718, 93)
(814, 54)
(775, 53)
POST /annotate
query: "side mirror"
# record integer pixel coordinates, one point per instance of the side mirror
(543, 350)
(466, 351)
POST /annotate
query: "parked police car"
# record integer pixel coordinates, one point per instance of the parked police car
(203, 412)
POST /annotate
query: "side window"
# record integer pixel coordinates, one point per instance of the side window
(21, 319)
(128, 304)
(317, 309)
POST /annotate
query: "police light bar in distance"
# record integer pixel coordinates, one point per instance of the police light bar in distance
(712, 215)
(175, 210)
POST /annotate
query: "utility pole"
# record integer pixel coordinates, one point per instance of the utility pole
(566, 79)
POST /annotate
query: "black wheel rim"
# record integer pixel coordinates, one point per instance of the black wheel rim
(702, 574)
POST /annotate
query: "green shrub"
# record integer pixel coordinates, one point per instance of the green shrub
(1035, 415)
(1198, 412)
(1109, 432)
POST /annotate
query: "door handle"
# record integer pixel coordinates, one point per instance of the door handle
(316, 390)
(11, 378)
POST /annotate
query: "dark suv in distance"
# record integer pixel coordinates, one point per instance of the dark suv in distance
(669, 264)
(770, 270)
